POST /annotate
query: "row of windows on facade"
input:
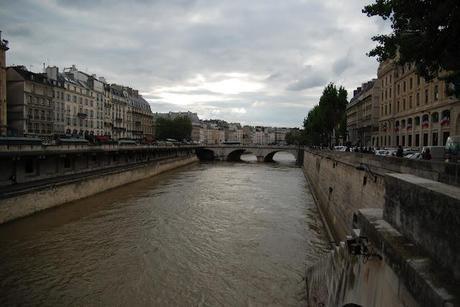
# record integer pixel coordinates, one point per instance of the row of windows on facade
(400, 70)
(414, 140)
(60, 95)
(386, 109)
(398, 85)
(35, 114)
(424, 121)
(80, 90)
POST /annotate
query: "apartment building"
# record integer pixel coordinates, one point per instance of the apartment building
(362, 115)
(30, 103)
(3, 102)
(415, 112)
(78, 102)
(139, 116)
(119, 99)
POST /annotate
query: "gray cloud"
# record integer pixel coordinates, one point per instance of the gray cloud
(182, 52)
(307, 83)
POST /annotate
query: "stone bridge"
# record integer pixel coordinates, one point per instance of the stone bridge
(264, 153)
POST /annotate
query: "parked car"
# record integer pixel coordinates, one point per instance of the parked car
(340, 148)
(415, 156)
(387, 152)
(410, 151)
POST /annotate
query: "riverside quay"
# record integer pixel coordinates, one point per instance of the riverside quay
(230, 153)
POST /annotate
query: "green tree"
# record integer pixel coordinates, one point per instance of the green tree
(325, 118)
(426, 33)
(296, 137)
(179, 128)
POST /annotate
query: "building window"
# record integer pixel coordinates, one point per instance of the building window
(445, 118)
(436, 93)
(435, 139)
(418, 80)
(410, 102)
(435, 117)
(390, 92)
(404, 86)
(404, 104)
(410, 83)
(417, 99)
(398, 88)
(417, 140)
(426, 96)
(445, 135)
(425, 121)
(29, 166)
(397, 106)
(425, 139)
(67, 162)
(409, 140)
(403, 141)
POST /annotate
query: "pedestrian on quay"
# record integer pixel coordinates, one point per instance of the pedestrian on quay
(400, 152)
(426, 155)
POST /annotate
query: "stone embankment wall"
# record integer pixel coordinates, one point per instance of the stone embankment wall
(408, 220)
(53, 195)
(341, 189)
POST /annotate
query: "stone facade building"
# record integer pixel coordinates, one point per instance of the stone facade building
(415, 112)
(139, 116)
(362, 115)
(74, 104)
(119, 99)
(3, 103)
(30, 103)
(78, 102)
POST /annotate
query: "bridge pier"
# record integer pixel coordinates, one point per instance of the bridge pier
(260, 158)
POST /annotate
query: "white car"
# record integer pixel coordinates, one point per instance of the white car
(416, 156)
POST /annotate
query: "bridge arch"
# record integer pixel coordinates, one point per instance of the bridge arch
(205, 154)
(269, 157)
(235, 155)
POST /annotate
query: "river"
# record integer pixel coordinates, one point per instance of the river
(209, 234)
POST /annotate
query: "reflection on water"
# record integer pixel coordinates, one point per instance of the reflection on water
(210, 234)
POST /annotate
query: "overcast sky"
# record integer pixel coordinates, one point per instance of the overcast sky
(250, 61)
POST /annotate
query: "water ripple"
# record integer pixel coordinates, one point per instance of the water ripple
(207, 235)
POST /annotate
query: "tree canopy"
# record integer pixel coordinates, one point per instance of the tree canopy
(425, 33)
(179, 128)
(327, 116)
(295, 137)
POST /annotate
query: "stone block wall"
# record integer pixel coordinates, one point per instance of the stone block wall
(341, 189)
(427, 213)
